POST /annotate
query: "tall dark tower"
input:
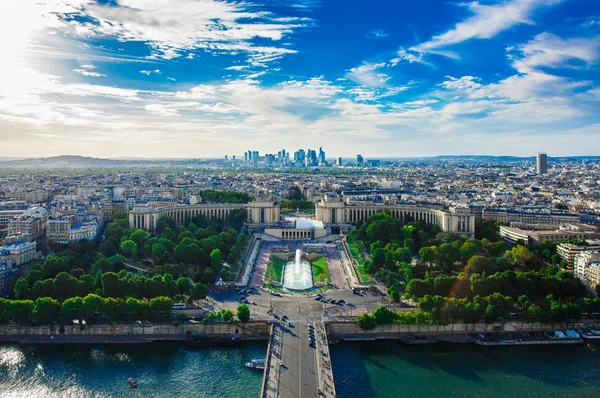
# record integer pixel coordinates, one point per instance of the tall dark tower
(541, 163)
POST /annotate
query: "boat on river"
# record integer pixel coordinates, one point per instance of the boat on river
(419, 340)
(258, 364)
(132, 382)
(590, 334)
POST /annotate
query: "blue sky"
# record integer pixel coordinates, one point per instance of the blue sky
(204, 78)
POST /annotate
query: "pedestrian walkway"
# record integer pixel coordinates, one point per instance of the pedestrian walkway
(271, 376)
(325, 371)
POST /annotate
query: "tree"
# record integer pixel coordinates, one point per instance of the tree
(72, 308)
(199, 291)
(479, 265)
(394, 294)
(428, 254)
(158, 252)
(90, 305)
(166, 222)
(243, 313)
(139, 236)
(184, 285)
(383, 315)
(426, 303)
(418, 288)
(161, 307)
(227, 315)
(491, 313)
(404, 254)
(470, 248)
(378, 258)
(110, 284)
(497, 248)
(447, 255)
(366, 322)
(128, 248)
(46, 309)
(136, 309)
(216, 259)
(520, 255)
(21, 288)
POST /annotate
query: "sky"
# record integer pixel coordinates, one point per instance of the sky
(205, 78)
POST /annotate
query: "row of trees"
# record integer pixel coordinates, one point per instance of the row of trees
(534, 284)
(297, 204)
(226, 315)
(216, 196)
(91, 308)
(109, 284)
(384, 316)
(497, 307)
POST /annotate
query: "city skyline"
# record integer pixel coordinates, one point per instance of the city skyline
(131, 78)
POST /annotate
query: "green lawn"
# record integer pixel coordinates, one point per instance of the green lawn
(274, 270)
(321, 270)
(355, 253)
(366, 278)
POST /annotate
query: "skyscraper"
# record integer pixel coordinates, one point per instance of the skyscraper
(321, 159)
(542, 163)
(359, 160)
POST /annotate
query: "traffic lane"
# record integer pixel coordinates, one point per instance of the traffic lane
(299, 378)
(308, 365)
(290, 370)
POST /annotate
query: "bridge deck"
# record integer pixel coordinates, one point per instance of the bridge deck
(295, 369)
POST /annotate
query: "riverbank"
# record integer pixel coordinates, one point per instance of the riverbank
(221, 333)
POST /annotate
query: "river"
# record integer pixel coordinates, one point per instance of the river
(380, 369)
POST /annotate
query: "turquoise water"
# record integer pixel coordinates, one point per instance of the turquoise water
(389, 369)
(382, 369)
(161, 370)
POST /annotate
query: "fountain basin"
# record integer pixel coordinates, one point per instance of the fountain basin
(297, 274)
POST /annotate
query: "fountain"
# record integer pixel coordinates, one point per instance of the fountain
(297, 274)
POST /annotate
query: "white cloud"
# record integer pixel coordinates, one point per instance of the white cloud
(149, 72)
(549, 51)
(173, 28)
(368, 75)
(237, 67)
(377, 34)
(87, 72)
(487, 21)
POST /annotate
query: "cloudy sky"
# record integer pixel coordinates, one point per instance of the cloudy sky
(204, 78)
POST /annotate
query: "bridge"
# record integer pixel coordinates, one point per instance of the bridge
(296, 368)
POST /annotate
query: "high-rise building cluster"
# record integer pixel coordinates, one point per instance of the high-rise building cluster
(300, 158)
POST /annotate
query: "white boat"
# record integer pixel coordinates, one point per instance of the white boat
(590, 335)
(256, 364)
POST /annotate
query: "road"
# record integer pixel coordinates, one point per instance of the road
(299, 366)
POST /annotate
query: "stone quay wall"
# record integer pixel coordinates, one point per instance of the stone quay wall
(123, 333)
(351, 331)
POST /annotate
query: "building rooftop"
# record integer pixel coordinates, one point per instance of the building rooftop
(304, 223)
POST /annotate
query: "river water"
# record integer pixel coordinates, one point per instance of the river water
(381, 369)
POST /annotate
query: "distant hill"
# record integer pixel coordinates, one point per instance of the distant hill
(83, 162)
(56, 162)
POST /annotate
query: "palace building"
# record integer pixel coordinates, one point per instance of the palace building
(334, 210)
(263, 210)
